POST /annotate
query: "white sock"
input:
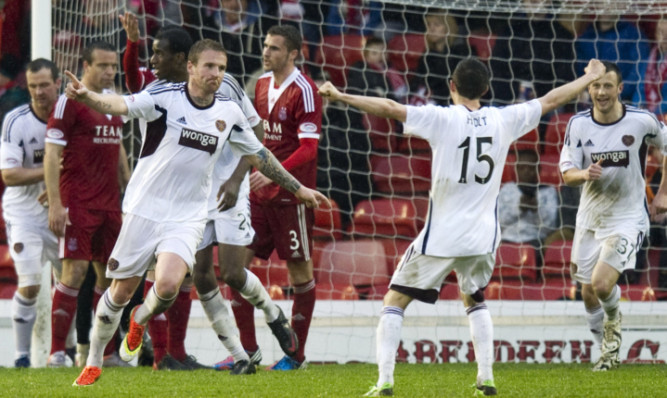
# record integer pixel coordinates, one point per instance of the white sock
(388, 338)
(153, 305)
(107, 318)
(71, 336)
(595, 320)
(223, 323)
(610, 304)
(255, 293)
(481, 331)
(24, 313)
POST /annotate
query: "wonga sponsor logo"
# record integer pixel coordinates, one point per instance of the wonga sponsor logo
(197, 140)
(612, 159)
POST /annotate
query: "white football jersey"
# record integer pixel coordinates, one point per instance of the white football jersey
(469, 153)
(222, 171)
(22, 145)
(619, 197)
(182, 142)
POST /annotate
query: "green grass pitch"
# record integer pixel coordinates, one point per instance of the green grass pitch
(352, 380)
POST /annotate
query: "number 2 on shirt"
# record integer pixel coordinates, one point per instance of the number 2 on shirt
(480, 158)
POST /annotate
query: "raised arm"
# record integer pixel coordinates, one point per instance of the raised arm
(268, 165)
(111, 104)
(382, 107)
(133, 77)
(560, 96)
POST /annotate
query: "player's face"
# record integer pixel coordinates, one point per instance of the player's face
(163, 61)
(43, 89)
(207, 74)
(275, 56)
(101, 72)
(604, 92)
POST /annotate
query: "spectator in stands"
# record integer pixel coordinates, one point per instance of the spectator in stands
(534, 51)
(373, 76)
(653, 90)
(462, 231)
(612, 39)
(604, 152)
(445, 47)
(353, 17)
(343, 170)
(30, 241)
(527, 211)
(85, 169)
(12, 85)
(16, 30)
(240, 26)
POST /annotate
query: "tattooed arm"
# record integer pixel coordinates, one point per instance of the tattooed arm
(267, 164)
(111, 104)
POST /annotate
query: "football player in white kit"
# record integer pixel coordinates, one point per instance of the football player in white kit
(461, 234)
(31, 242)
(165, 204)
(605, 150)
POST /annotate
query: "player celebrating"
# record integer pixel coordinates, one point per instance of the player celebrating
(604, 150)
(470, 144)
(292, 117)
(30, 241)
(231, 227)
(84, 199)
(188, 125)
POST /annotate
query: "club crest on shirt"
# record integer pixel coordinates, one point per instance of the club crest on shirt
(221, 125)
(72, 245)
(628, 140)
(18, 247)
(112, 264)
(282, 113)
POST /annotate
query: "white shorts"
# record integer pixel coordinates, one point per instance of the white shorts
(230, 227)
(421, 276)
(30, 247)
(618, 250)
(141, 240)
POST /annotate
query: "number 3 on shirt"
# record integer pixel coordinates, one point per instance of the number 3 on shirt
(480, 158)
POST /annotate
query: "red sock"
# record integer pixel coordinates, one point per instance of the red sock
(157, 329)
(302, 314)
(177, 319)
(62, 312)
(244, 313)
(111, 345)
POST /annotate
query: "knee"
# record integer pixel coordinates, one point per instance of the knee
(29, 292)
(601, 289)
(233, 276)
(166, 289)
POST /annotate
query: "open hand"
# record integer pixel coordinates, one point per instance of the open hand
(131, 26)
(75, 90)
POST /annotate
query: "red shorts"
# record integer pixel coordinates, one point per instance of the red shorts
(91, 235)
(288, 229)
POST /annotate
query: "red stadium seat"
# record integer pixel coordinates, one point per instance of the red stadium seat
(8, 278)
(404, 51)
(509, 171)
(529, 141)
(401, 174)
(515, 261)
(483, 44)
(449, 291)
(555, 134)
(409, 145)
(328, 224)
(394, 249)
(381, 132)
(337, 53)
(360, 264)
(557, 260)
(390, 218)
(549, 170)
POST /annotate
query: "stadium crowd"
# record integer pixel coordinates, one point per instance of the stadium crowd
(377, 175)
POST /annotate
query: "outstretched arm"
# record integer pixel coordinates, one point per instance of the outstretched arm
(382, 107)
(562, 95)
(111, 104)
(659, 204)
(268, 165)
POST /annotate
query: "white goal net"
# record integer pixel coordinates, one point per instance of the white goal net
(379, 178)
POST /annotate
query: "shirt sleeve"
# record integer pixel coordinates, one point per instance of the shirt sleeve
(11, 152)
(525, 117)
(571, 156)
(242, 138)
(61, 122)
(142, 105)
(658, 138)
(420, 121)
